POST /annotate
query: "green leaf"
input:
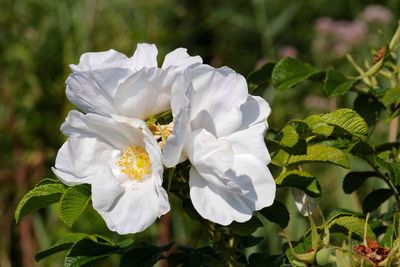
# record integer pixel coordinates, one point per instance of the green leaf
(369, 108)
(348, 223)
(88, 251)
(317, 126)
(320, 153)
(261, 75)
(348, 120)
(288, 140)
(245, 228)
(277, 213)
(376, 198)
(66, 242)
(301, 180)
(336, 84)
(389, 237)
(143, 254)
(40, 196)
(288, 72)
(361, 149)
(353, 180)
(392, 96)
(73, 202)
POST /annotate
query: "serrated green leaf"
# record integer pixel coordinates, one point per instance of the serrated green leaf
(348, 120)
(65, 243)
(389, 237)
(353, 180)
(73, 202)
(350, 223)
(288, 72)
(288, 136)
(376, 198)
(318, 126)
(48, 181)
(320, 153)
(88, 251)
(288, 140)
(280, 158)
(39, 197)
(245, 228)
(392, 96)
(300, 180)
(336, 84)
(277, 213)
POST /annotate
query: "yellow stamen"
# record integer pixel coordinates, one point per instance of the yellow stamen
(135, 162)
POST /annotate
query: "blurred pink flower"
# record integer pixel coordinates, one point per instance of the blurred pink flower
(377, 13)
(288, 51)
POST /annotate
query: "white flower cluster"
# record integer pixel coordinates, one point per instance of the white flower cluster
(118, 148)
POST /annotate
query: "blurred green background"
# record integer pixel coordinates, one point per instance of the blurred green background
(40, 38)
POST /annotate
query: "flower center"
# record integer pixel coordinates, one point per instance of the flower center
(135, 162)
(161, 132)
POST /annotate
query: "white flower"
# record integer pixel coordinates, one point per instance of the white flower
(220, 128)
(304, 204)
(121, 160)
(111, 83)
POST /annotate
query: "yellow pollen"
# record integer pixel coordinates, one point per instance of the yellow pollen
(135, 162)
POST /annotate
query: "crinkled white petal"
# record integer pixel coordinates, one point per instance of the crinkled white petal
(145, 56)
(115, 133)
(255, 110)
(254, 179)
(137, 208)
(251, 142)
(79, 159)
(145, 93)
(180, 58)
(100, 60)
(217, 204)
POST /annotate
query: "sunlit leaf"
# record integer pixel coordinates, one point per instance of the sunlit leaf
(320, 153)
(73, 202)
(300, 180)
(348, 223)
(392, 96)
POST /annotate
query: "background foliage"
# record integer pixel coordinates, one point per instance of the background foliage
(38, 39)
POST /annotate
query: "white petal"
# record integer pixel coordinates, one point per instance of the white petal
(180, 58)
(254, 179)
(145, 93)
(220, 93)
(106, 189)
(145, 56)
(209, 154)
(137, 208)
(255, 110)
(99, 60)
(251, 142)
(117, 134)
(94, 91)
(79, 160)
(172, 152)
(304, 204)
(215, 203)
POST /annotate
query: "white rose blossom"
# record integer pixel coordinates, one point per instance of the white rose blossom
(220, 128)
(109, 82)
(122, 161)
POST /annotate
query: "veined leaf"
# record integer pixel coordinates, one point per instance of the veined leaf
(336, 84)
(40, 196)
(376, 198)
(87, 251)
(353, 180)
(348, 120)
(73, 202)
(288, 140)
(66, 242)
(261, 75)
(143, 254)
(288, 72)
(350, 223)
(277, 213)
(320, 153)
(392, 96)
(300, 180)
(245, 228)
(318, 126)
